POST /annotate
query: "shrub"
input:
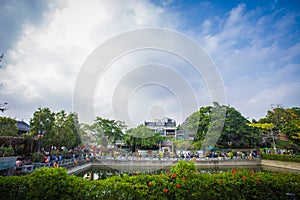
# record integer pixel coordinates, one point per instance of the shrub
(54, 183)
(38, 157)
(184, 168)
(281, 157)
(6, 151)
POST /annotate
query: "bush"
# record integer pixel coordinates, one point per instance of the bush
(184, 168)
(38, 157)
(281, 157)
(20, 150)
(6, 151)
(54, 183)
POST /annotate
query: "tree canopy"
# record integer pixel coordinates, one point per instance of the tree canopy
(142, 137)
(112, 129)
(8, 127)
(235, 131)
(59, 129)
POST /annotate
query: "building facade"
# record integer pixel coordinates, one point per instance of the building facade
(165, 126)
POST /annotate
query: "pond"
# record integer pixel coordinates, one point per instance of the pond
(102, 172)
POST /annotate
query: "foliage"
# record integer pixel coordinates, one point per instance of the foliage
(285, 120)
(235, 128)
(54, 183)
(263, 126)
(281, 157)
(59, 129)
(8, 127)
(184, 168)
(142, 137)
(37, 157)
(20, 149)
(43, 120)
(113, 129)
(6, 151)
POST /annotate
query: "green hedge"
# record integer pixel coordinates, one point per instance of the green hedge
(281, 157)
(54, 183)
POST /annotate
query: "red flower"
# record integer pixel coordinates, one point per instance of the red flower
(221, 180)
(233, 171)
(244, 177)
(149, 184)
(183, 178)
(165, 190)
(178, 185)
(173, 176)
(258, 180)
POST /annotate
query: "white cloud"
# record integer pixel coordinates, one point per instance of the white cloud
(256, 52)
(258, 56)
(45, 60)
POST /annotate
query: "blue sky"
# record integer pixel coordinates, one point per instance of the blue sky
(255, 46)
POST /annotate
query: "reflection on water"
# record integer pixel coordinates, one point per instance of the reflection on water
(97, 173)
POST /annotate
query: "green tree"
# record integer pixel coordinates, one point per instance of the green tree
(235, 128)
(43, 120)
(8, 127)
(112, 129)
(142, 137)
(63, 132)
(73, 117)
(285, 121)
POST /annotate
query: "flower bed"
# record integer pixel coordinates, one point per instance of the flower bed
(54, 183)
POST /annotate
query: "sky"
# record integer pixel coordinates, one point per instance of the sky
(253, 45)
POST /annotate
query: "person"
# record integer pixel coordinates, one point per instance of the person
(19, 163)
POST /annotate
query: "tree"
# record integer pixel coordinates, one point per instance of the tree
(63, 132)
(8, 127)
(59, 129)
(265, 127)
(73, 117)
(234, 131)
(43, 120)
(142, 137)
(112, 129)
(285, 121)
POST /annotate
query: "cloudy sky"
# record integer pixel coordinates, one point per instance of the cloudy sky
(255, 46)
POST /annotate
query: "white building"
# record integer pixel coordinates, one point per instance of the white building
(165, 126)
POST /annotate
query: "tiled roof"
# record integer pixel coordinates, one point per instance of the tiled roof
(23, 126)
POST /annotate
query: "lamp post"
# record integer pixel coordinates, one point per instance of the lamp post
(40, 135)
(229, 144)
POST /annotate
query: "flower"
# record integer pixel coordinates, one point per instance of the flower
(165, 190)
(233, 171)
(252, 172)
(173, 176)
(244, 177)
(149, 184)
(183, 178)
(258, 180)
(221, 180)
(178, 185)
(158, 180)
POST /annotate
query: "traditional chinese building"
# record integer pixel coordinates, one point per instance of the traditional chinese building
(165, 126)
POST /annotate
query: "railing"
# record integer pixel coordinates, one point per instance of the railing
(7, 162)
